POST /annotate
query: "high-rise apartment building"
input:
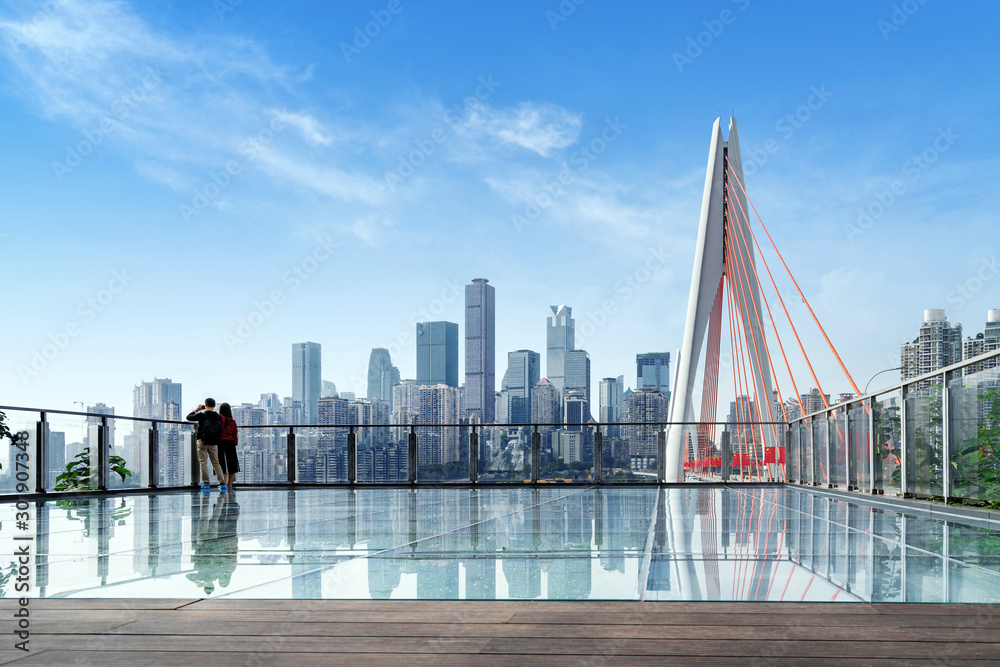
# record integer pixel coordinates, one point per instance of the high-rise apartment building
(652, 369)
(480, 355)
(438, 444)
(988, 341)
(645, 404)
(938, 344)
(560, 333)
(577, 373)
(307, 383)
(437, 353)
(382, 375)
(611, 403)
(161, 399)
(523, 373)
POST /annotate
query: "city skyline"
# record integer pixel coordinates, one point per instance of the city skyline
(344, 213)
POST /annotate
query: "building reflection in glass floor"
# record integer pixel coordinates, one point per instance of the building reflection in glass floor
(627, 543)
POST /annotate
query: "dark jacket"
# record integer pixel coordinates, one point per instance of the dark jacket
(201, 416)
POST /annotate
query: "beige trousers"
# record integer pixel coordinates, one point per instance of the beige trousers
(208, 453)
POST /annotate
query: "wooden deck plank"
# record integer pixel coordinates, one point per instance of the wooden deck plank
(924, 651)
(241, 659)
(359, 633)
(233, 626)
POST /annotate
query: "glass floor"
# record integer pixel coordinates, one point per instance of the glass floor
(551, 543)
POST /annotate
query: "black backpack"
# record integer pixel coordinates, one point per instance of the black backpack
(212, 433)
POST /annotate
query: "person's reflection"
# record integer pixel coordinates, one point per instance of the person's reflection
(215, 541)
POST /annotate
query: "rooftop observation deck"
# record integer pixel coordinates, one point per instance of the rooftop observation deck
(570, 553)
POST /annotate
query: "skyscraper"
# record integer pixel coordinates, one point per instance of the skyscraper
(611, 403)
(652, 369)
(161, 399)
(645, 404)
(545, 404)
(306, 381)
(382, 375)
(577, 373)
(438, 444)
(437, 353)
(987, 341)
(561, 338)
(523, 373)
(938, 344)
(480, 356)
(575, 408)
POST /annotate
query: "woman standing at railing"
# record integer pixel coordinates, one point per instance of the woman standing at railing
(227, 448)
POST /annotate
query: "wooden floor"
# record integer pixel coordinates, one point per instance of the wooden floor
(317, 632)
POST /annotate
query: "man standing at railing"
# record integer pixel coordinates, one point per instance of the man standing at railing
(209, 435)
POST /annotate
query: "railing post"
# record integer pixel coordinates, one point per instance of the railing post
(727, 455)
(904, 480)
(195, 468)
(812, 451)
(536, 455)
(661, 454)
(41, 454)
(831, 424)
(411, 456)
(871, 446)
(352, 456)
(293, 467)
(848, 450)
(103, 447)
(474, 455)
(598, 455)
(945, 440)
(153, 474)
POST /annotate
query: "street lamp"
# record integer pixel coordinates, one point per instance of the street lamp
(897, 368)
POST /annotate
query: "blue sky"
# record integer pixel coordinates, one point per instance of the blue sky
(171, 168)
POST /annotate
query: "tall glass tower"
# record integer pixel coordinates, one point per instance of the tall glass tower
(652, 369)
(480, 355)
(382, 375)
(561, 337)
(576, 365)
(306, 381)
(523, 373)
(437, 353)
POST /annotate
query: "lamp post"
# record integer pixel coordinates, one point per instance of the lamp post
(897, 368)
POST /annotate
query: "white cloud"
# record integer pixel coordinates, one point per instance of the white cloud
(539, 128)
(312, 130)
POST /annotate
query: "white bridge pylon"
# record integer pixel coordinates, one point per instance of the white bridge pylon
(723, 233)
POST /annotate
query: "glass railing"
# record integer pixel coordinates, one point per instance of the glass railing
(934, 436)
(97, 452)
